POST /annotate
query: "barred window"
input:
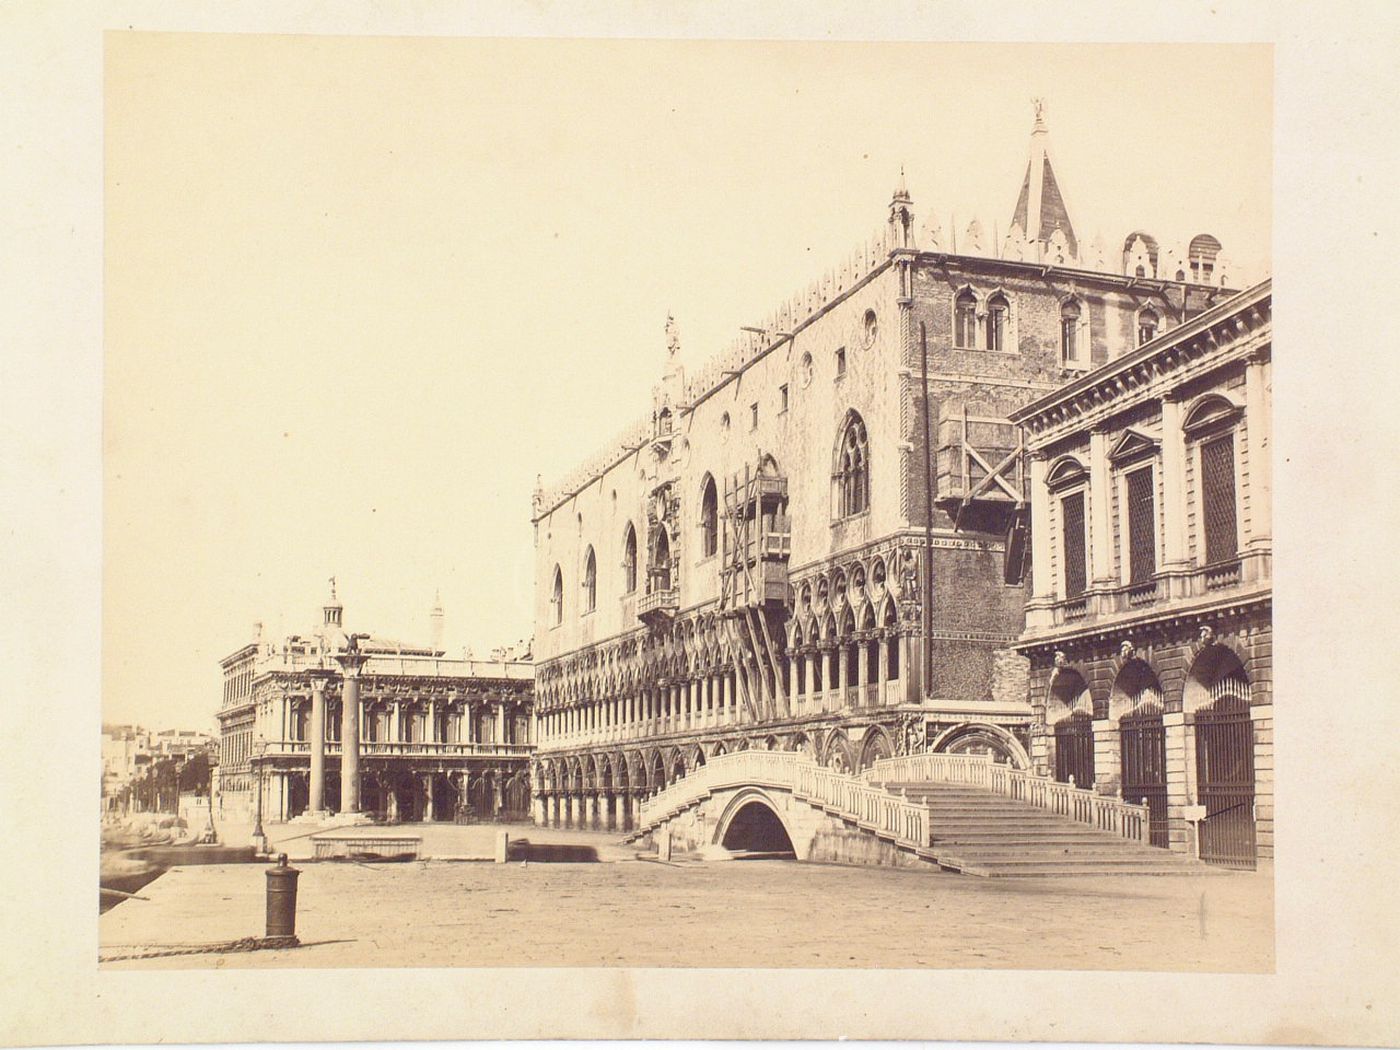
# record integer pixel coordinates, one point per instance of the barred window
(1218, 499)
(1072, 525)
(965, 320)
(1142, 541)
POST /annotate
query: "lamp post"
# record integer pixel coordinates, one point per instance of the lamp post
(259, 750)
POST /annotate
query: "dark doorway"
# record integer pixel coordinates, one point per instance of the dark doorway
(1074, 750)
(1144, 747)
(757, 830)
(1225, 782)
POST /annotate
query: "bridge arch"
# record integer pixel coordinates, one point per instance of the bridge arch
(752, 822)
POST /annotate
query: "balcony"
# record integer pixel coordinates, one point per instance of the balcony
(405, 748)
(1163, 589)
(658, 607)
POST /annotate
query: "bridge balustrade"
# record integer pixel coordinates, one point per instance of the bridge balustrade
(1082, 804)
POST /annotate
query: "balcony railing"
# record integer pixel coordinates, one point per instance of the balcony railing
(658, 604)
(408, 748)
(1221, 574)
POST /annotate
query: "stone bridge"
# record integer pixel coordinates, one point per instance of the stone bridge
(959, 812)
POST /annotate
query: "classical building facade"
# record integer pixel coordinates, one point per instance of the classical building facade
(432, 738)
(1149, 628)
(815, 542)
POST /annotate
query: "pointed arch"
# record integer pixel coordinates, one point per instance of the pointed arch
(709, 517)
(629, 559)
(556, 598)
(851, 467)
(590, 580)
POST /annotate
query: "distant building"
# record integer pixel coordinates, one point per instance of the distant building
(439, 738)
(1149, 625)
(806, 545)
(128, 751)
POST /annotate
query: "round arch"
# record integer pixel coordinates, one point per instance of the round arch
(751, 821)
(980, 738)
(1136, 687)
(1215, 673)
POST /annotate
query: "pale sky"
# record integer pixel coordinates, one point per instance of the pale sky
(359, 292)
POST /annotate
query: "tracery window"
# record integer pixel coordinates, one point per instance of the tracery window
(853, 468)
(556, 599)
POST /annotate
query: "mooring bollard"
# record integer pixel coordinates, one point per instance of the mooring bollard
(282, 902)
(502, 846)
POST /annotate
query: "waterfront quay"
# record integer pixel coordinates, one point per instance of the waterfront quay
(625, 911)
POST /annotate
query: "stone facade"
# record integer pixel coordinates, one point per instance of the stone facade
(767, 559)
(437, 738)
(1149, 625)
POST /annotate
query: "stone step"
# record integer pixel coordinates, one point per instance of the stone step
(1056, 838)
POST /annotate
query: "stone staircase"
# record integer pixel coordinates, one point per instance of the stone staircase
(977, 832)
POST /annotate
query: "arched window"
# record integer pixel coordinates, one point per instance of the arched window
(659, 569)
(1070, 313)
(965, 320)
(556, 598)
(709, 518)
(629, 560)
(1147, 326)
(590, 581)
(998, 309)
(853, 468)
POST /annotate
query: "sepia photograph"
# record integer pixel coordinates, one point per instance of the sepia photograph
(691, 479)
(698, 523)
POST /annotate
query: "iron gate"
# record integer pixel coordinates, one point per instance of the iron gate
(1143, 741)
(1074, 750)
(1225, 782)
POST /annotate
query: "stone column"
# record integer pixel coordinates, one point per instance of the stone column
(1258, 428)
(843, 679)
(1100, 519)
(540, 814)
(1174, 546)
(1038, 613)
(351, 661)
(882, 668)
(1180, 777)
(317, 802)
(863, 668)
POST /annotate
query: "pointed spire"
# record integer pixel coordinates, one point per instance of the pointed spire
(1040, 206)
(901, 191)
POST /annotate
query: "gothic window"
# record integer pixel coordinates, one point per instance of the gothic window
(590, 581)
(804, 369)
(1070, 313)
(1218, 498)
(1142, 536)
(629, 560)
(853, 468)
(659, 571)
(1072, 528)
(556, 598)
(1147, 326)
(998, 309)
(709, 518)
(965, 320)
